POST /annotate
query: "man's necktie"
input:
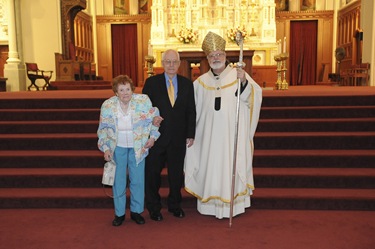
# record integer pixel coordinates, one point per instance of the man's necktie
(171, 92)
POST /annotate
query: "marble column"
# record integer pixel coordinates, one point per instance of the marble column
(14, 70)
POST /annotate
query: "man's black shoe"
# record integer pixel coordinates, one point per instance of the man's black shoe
(177, 212)
(118, 220)
(137, 218)
(156, 216)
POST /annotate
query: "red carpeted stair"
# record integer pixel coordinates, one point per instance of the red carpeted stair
(316, 152)
(312, 151)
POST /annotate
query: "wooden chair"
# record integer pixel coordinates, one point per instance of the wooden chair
(34, 73)
(88, 71)
(360, 74)
(346, 77)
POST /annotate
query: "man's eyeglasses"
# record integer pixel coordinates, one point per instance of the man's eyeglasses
(169, 62)
(219, 55)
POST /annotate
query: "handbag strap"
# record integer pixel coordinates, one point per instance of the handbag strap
(109, 195)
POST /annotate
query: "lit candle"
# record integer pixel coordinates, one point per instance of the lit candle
(149, 48)
(284, 47)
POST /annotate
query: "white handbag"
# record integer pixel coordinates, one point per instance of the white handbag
(109, 173)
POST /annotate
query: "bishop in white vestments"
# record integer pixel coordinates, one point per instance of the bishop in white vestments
(209, 162)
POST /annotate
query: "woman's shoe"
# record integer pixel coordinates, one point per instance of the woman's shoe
(137, 218)
(118, 220)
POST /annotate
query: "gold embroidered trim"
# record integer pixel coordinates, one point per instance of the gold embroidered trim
(214, 88)
(218, 197)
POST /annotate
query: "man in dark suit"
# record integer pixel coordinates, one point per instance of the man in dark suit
(173, 94)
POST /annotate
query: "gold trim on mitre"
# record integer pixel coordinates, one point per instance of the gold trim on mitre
(213, 42)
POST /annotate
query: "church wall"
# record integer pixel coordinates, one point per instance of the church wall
(368, 27)
(104, 50)
(41, 36)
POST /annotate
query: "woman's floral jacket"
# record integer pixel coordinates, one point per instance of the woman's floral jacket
(142, 114)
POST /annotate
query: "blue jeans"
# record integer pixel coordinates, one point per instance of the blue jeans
(125, 162)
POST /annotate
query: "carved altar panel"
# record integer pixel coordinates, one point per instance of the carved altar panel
(175, 22)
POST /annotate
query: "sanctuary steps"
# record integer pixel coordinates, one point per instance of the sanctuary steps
(314, 149)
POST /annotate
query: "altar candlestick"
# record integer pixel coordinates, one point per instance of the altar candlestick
(149, 48)
(284, 47)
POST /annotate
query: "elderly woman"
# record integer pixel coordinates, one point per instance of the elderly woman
(128, 127)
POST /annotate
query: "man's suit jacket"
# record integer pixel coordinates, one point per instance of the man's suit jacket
(179, 120)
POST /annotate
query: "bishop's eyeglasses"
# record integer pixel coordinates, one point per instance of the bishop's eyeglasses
(217, 55)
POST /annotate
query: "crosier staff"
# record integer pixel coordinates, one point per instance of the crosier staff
(239, 41)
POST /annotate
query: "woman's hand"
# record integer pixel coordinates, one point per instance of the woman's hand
(150, 142)
(157, 120)
(107, 156)
(189, 142)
